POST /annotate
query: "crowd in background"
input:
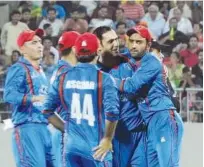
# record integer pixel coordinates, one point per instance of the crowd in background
(177, 26)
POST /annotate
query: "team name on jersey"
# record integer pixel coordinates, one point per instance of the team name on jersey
(73, 84)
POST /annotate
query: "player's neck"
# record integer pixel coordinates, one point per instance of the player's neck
(35, 63)
(71, 59)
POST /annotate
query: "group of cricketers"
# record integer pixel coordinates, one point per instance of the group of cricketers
(101, 108)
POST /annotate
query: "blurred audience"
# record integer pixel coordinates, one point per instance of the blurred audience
(90, 6)
(184, 24)
(173, 37)
(155, 21)
(101, 19)
(48, 47)
(52, 19)
(197, 11)
(48, 64)
(198, 31)
(120, 17)
(175, 70)
(184, 8)
(61, 14)
(77, 22)
(133, 10)
(110, 9)
(189, 55)
(27, 19)
(10, 33)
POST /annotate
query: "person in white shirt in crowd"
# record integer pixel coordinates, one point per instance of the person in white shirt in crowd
(48, 47)
(184, 24)
(10, 33)
(155, 21)
(120, 17)
(185, 10)
(90, 6)
(56, 24)
(102, 19)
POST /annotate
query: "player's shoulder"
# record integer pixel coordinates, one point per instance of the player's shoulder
(151, 59)
(17, 67)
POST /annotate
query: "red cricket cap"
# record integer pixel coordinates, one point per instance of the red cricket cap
(28, 35)
(67, 40)
(86, 44)
(141, 30)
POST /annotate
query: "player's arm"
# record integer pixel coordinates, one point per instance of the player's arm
(149, 69)
(13, 92)
(52, 101)
(15, 81)
(111, 109)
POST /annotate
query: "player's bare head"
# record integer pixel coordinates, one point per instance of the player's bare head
(66, 43)
(30, 44)
(109, 41)
(86, 47)
(139, 41)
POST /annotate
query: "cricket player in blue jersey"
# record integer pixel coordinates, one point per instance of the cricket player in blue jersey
(129, 141)
(91, 101)
(165, 127)
(25, 89)
(68, 59)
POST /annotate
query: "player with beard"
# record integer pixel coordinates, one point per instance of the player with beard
(165, 127)
(128, 144)
(108, 52)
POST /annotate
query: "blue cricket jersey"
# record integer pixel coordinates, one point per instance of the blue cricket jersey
(89, 96)
(130, 115)
(22, 82)
(61, 67)
(153, 75)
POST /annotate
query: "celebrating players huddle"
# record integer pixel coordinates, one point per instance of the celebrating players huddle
(104, 108)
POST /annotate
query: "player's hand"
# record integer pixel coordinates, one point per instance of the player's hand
(102, 149)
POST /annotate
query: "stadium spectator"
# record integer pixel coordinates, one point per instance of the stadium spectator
(165, 8)
(189, 55)
(26, 18)
(197, 70)
(184, 8)
(184, 24)
(49, 64)
(155, 21)
(121, 28)
(15, 56)
(110, 10)
(9, 34)
(61, 14)
(35, 8)
(47, 29)
(198, 31)
(120, 17)
(57, 24)
(48, 47)
(90, 6)
(173, 37)
(74, 5)
(77, 22)
(101, 19)
(175, 70)
(133, 10)
(197, 12)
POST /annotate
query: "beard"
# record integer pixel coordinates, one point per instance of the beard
(111, 60)
(138, 55)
